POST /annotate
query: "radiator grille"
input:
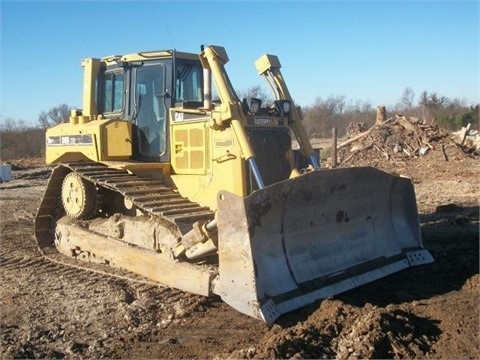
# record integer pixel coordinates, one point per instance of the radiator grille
(270, 146)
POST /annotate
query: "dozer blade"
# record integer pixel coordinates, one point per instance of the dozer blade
(315, 236)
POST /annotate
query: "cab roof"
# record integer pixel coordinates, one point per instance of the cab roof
(150, 55)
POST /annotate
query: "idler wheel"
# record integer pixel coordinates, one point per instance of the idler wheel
(79, 197)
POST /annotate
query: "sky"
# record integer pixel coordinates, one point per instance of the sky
(364, 50)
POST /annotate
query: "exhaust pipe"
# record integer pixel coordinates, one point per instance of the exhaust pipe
(207, 89)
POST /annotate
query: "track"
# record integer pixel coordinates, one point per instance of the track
(152, 197)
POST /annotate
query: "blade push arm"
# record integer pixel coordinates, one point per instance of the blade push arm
(214, 58)
(269, 67)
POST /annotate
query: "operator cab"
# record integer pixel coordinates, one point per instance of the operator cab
(141, 88)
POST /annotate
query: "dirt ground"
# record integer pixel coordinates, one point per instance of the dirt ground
(50, 310)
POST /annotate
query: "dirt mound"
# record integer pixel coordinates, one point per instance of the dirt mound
(341, 331)
(313, 338)
(386, 333)
(472, 285)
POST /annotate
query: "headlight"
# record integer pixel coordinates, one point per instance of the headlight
(255, 105)
(283, 107)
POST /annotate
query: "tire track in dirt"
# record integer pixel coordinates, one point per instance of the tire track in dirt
(15, 264)
(144, 294)
(127, 309)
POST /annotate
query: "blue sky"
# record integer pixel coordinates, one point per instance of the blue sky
(369, 51)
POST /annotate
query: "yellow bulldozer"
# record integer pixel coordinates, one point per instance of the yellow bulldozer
(202, 193)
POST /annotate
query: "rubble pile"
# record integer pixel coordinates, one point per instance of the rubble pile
(401, 138)
(355, 128)
(469, 138)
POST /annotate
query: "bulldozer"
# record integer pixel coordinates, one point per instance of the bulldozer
(167, 174)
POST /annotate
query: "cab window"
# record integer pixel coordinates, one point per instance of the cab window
(188, 83)
(113, 93)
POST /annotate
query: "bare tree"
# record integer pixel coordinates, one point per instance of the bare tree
(18, 139)
(432, 105)
(324, 114)
(54, 116)
(407, 99)
(255, 91)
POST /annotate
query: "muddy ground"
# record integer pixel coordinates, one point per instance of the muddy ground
(50, 310)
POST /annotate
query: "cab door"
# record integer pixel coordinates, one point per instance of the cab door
(150, 109)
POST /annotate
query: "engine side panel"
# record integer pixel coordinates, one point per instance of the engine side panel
(98, 140)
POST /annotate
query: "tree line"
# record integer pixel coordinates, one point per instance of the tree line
(429, 107)
(18, 139)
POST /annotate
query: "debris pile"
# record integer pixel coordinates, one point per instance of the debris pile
(469, 138)
(398, 138)
(355, 128)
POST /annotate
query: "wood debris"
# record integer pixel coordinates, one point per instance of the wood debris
(468, 138)
(400, 138)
